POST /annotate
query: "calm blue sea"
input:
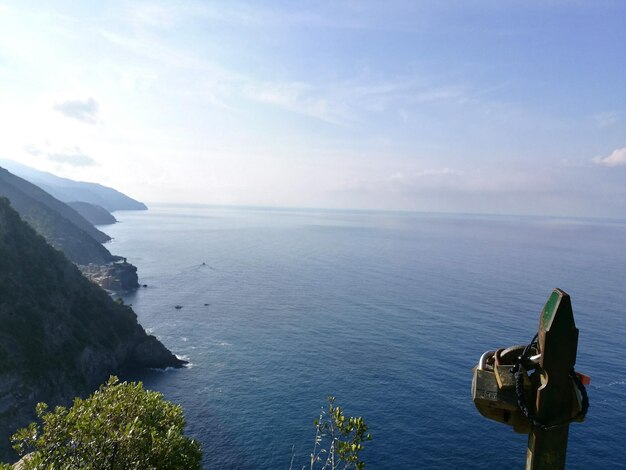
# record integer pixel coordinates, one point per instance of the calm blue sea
(389, 312)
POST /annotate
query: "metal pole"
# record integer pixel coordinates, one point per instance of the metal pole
(557, 343)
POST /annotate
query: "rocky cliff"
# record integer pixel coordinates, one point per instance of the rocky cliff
(96, 215)
(31, 194)
(117, 276)
(60, 334)
(68, 231)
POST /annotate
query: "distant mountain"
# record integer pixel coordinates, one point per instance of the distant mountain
(68, 190)
(96, 215)
(28, 199)
(60, 334)
(62, 227)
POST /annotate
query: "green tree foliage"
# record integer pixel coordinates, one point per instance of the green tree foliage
(120, 426)
(339, 440)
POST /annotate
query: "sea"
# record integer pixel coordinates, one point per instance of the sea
(386, 311)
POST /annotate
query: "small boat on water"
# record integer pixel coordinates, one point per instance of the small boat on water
(178, 307)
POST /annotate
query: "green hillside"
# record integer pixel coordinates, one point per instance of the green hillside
(10, 181)
(94, 214)
(60, 335)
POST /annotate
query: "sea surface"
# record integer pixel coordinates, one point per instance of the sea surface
(388, 312)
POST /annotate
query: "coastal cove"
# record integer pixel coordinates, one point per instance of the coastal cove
(387, 311)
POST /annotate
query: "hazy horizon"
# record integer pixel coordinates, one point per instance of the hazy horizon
(259, 207)
(490, 107)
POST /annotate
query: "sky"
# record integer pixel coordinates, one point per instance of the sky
(515, 107)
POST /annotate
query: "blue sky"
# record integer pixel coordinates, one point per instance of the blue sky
(456, 106)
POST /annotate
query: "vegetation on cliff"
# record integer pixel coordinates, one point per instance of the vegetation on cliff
(61, 225)
(94, 214)
(32, 193)
(60, 334)
(120, 426)
(65, 229)
(124, 426)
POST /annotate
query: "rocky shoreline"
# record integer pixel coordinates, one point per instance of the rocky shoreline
(116, 276)
(62, 335)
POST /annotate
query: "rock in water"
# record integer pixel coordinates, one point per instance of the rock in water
(115, 276)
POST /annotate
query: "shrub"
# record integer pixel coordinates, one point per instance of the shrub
(120, 426)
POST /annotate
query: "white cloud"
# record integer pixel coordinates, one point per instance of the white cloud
(606, 119)
(349, 102)
(301, 98)
(73, 157)
(161, 16)
(83, 110)
(617, 158)
(33, 150)
(66, 156)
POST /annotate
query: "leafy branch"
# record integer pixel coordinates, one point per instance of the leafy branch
(339, 440)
